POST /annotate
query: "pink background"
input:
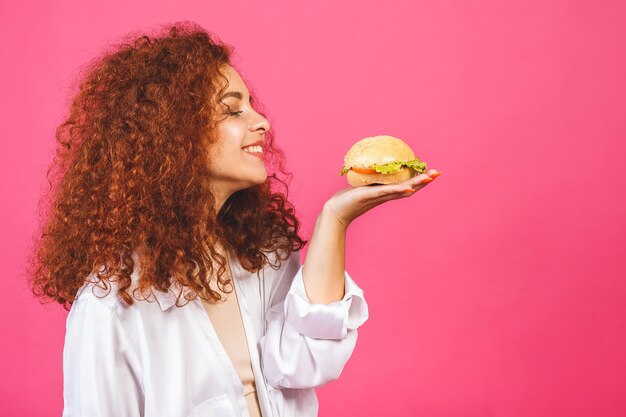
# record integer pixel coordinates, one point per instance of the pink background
(498, 290)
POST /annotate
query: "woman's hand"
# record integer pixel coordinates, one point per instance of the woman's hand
(349, 203)
(324, 269)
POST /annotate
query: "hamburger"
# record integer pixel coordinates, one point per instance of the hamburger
(380, 160)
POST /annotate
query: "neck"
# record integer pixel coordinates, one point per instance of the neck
(220, 197)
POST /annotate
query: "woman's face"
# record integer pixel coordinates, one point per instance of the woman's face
(235, 166)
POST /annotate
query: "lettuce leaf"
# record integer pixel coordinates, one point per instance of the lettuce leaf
(393, 167)
(416, 165)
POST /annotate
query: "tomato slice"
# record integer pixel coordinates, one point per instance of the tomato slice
(364, 170)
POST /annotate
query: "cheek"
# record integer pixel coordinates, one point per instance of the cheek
(232, 135)
(232, 128)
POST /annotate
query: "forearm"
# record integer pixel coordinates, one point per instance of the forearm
(325, 264)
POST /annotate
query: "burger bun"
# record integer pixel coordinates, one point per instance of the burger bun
(379, 150)
(356, 179)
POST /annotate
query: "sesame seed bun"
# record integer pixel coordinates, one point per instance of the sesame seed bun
(380, 150)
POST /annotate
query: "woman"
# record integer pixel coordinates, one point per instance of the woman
(177, 256)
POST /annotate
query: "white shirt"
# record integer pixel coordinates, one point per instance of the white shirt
(154, 359)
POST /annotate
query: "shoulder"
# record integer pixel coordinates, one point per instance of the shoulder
(106, 293)
(101, 295)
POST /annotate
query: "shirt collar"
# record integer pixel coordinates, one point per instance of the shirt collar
(168, 299)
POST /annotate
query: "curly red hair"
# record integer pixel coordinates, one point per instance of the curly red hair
(130, 175)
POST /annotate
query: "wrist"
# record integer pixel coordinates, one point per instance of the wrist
(330, 215)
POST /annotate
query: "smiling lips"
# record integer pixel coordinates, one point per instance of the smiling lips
(255, 149)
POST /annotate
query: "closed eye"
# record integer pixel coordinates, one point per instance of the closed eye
(236, 113)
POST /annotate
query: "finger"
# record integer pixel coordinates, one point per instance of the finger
(421, 179)
(408, 187)
(416, 183)
(381, 193)
(375, 191)
(433, 173)
(393, 191)
(406, 190)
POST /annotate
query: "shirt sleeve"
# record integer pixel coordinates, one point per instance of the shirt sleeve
(100, 367)
(307, 345)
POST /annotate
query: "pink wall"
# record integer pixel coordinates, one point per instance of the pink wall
(498, 290)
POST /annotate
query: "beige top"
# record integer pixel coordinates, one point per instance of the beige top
(228, 324)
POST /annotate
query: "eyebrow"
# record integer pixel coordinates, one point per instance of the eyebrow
(236, 94)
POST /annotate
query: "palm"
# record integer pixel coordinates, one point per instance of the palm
(349, 203)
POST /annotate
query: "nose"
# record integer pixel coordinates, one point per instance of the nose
(261, 123)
